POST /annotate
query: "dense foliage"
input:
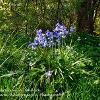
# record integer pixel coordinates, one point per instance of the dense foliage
(42, 57)
(70, 71)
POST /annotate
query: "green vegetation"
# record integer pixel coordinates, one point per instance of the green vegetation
(74, 69)
(70, 71)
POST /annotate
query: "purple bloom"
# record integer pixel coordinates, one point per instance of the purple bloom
(48, 74)
(39, 32)
(72, 28)
(48, 39)
(56, 29)
(44, 42)
(36, 42)
(32, 45)
(58, 25)
(56, 34)
(48, 33)
(61, 29)
(40, 39)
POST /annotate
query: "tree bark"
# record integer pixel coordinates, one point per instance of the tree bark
(85, 16)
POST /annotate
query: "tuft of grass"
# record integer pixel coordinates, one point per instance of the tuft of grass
(70, 72)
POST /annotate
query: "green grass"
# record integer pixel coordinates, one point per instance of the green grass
(75, 69)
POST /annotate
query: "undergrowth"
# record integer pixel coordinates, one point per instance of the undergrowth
(68, 72)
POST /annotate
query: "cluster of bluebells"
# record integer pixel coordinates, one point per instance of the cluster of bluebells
(49, 38)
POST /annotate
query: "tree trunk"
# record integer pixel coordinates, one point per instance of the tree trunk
(85, 16)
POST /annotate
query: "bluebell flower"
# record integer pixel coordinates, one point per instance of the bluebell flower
(48, 39)
(64, 31)
(58, 25)
(36, 41)
(56, 34)
(61, 29)
(32, 45)
(44, 42)
(48, 74)
(40, 39)
(72, 28)
(56, 29)
(39, 32)
(48, 33)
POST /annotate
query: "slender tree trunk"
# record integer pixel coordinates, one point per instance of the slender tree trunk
(85, 16)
